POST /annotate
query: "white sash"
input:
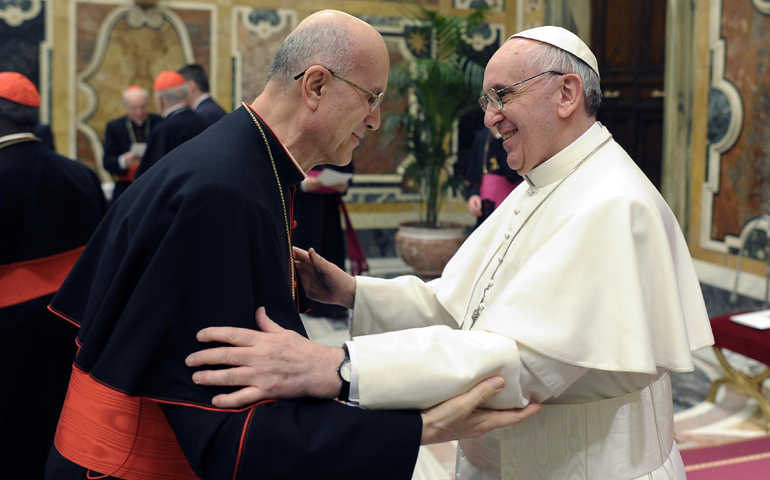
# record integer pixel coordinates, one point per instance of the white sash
(615, 439)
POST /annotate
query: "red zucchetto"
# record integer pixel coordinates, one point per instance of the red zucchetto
(17, 88)
(167, 79)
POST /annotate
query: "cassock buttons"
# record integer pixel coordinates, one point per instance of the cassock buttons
(294, 225)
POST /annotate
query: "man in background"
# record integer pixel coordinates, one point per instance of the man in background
(49, 207)
(488, 178)
(198, 91)
(180, 123)
(125, 138)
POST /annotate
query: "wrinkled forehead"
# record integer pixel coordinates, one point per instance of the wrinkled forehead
(372, 63)
(509, 64)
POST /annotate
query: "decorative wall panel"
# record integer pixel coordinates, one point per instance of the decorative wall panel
(119, 45)
(737, 189)
(256, 36)
(25, 44)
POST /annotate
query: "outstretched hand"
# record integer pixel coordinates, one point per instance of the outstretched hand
(271, 363)
(324, 281)
(459, 417)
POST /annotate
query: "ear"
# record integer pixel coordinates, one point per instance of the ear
(570, 95)
(314, 83)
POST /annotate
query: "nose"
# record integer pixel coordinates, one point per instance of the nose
(492, 116)
(372, 121)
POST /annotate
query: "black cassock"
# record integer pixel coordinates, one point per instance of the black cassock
(199, 241)
(177, 128)
(49, 206)
(118, 137)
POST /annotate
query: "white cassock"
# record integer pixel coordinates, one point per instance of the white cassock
(594, 302)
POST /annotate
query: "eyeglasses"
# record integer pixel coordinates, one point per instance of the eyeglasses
(374, 98)
(496, 96)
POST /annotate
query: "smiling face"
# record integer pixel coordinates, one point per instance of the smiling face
(528, 121)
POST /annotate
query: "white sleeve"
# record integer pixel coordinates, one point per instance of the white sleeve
(400, 303)
(419, 368)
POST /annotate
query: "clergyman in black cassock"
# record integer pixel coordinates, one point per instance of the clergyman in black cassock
(126, 137)
(49, 207)
(176, 128)
(199, 240)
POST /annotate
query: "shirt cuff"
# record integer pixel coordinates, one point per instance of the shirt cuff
(122, 161)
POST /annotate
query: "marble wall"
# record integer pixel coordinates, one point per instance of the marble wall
(737, 188)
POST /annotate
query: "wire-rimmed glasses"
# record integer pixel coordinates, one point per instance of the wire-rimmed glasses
(496, 96)
(374, 98)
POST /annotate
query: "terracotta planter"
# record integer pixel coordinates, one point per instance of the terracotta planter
(427, 250)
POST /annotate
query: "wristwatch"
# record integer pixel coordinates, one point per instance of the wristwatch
(344, 371)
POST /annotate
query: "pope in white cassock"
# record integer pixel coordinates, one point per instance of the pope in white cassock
(579, 291)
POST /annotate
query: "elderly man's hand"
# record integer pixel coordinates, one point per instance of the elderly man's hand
(459, 417)
(270, 364)
(324, 281)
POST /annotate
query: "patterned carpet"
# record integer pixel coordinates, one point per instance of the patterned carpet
(746, 460)
(731, 418)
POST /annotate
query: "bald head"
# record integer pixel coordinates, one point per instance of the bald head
(136, 102)
(331, 38)
(327, 78)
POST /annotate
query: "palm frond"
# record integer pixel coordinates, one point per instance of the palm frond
(441, 88)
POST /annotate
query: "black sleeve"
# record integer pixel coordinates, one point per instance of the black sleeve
(156, 149)
(112, 151)
(475, 164)
(298, 439)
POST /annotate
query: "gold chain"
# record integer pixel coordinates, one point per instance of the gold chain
(283, 203)
(477, 312)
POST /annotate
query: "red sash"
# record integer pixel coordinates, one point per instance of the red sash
(358, 264)
(24, 281)
(130, 175)
(118, 434)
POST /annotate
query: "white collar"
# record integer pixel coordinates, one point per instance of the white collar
(15, 136)
(556, 167)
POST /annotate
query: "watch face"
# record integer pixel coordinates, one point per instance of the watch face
(346, 370)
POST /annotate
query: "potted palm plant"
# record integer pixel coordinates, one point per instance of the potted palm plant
(442, 86)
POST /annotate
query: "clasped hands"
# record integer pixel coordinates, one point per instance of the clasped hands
(275, 363)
